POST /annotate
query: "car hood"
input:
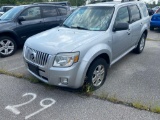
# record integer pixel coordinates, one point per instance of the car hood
(61, 39)
(6, 25)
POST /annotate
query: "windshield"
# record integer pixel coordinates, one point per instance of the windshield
(90, 18)
(9, 15)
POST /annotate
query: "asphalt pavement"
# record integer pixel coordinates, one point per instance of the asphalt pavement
(48, 103)
(154, 35)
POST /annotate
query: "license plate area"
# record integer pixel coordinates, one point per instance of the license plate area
(33, 68)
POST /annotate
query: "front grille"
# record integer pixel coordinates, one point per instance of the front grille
(35, 56)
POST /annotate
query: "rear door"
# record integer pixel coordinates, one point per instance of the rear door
(136, 23)
(50, 17)
(32, 25)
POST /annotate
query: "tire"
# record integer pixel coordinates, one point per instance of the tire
(151, 28)
(141, 44)
(98, 65)
(7, 46)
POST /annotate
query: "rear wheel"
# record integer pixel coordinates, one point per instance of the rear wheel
(7, 46)
(141, 44)
(96, 74)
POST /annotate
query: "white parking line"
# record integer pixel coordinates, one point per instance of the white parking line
(16, 68)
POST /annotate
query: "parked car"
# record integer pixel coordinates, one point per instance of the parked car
(155, 8)
(4, 9)
(90, 40)
(21, 22)
(155, 20)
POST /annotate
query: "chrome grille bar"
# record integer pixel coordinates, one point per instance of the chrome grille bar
(36, 57)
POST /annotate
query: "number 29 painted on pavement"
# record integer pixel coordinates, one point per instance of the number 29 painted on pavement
(14, 108)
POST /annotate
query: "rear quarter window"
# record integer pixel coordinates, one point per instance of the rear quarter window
(143, 9)
(48, 11)
(135, 13)
(62, 10)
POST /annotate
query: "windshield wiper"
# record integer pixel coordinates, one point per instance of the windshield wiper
(78, 27)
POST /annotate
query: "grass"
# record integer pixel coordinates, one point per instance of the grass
(17, 75)
(138, 105)
(155, 109)
(149, 39)
(87, 89)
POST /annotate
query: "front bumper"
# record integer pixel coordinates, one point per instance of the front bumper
(55, 75)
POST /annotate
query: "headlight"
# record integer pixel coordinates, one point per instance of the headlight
(66, 59)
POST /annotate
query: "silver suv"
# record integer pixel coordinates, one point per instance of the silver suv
(90, 40)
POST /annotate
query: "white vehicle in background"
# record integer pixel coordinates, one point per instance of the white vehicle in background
(155, 8)
(4, 9)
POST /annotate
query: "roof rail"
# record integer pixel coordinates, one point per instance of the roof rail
(95, 1)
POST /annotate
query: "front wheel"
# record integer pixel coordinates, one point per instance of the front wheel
(96, 74)
(141, 44)
(7, 46)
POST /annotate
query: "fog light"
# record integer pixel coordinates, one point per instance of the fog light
(64, 81)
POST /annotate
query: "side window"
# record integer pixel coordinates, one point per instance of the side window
(7, 8)
(122, 15)
(31, 13)
(135, 13)
(144, 9)
(63, 11)
(49, 12)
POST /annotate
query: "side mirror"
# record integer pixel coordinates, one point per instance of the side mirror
(20, 19)
(120, 26)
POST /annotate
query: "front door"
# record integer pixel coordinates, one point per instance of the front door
(121, 39)
(32, 24)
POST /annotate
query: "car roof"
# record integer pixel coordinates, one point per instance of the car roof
(57, 2)
(36, 4)
(115, 3)
(7, 6)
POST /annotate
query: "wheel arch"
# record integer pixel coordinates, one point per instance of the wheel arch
(12, 35)
(145, 32)
(98, 51)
